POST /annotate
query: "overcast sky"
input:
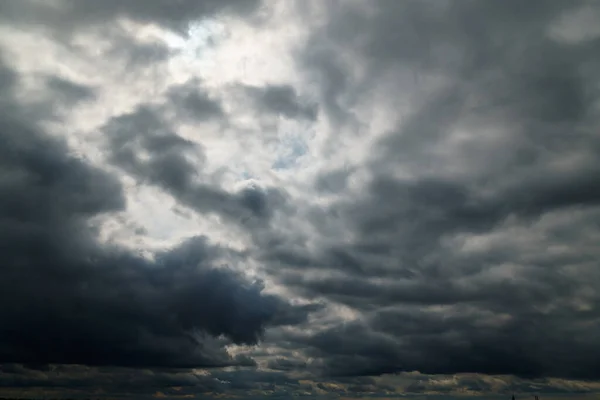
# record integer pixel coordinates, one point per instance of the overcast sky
(319, 198)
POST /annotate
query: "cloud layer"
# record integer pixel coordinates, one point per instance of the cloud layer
(329, 198)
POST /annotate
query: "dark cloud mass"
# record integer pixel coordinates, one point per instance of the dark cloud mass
(281, 100)
(328, 199)
(67, 299)
(70, 15)
(507, 306)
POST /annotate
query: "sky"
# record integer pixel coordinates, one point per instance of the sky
(330, 199)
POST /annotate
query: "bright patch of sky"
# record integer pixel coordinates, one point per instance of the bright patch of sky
(202, 37)
(292, 144)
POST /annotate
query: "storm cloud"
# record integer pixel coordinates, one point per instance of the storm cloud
(69, 299)
(455, 259)
(299, 198)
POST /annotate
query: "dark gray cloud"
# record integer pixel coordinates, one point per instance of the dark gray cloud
(67, 299)
(281, 100)
(450, 265)
(192, 102)
(458, 339)
(173, 15)
(285, 364)
(69, 92)
(169, 167)
(131, 52)
(68, 15)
